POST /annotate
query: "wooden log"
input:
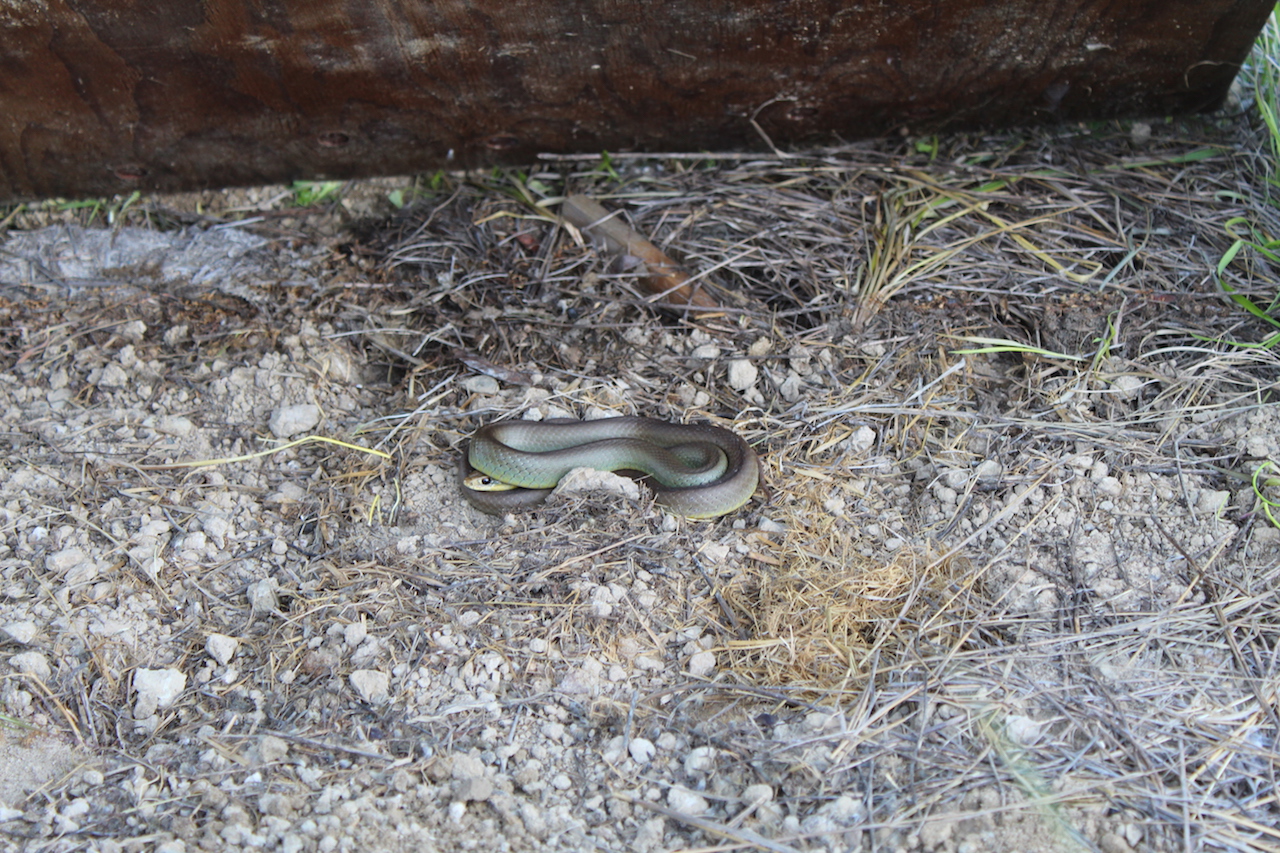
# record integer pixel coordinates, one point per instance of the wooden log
(107, 96)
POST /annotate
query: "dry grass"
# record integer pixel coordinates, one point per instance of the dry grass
(867, 273)
(865, 284)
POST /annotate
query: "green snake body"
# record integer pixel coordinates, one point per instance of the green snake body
(696, 470)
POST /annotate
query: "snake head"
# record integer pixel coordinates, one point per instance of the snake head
(479, 482)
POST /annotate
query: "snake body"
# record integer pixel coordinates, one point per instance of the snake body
(695, 470)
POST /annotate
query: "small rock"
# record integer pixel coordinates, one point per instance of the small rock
(472, 790)
(32, 663)
(707, 351)
(372, 686)
(757, 794)
(7, 813)
(354, 633)
(642, 750)
(701, 760)
(221, 647)
(113, 376)
(466, 767)
(1113, 842)
(862, 440)
(1110, 486)
(481, 385)
(988, 471)
(21, 632)
(1212, 501)
(685, 801)
(262, 595)
(291, 420)
(1127, 385)
(581, 480)
(156, 688)
(1023, 731)
(272, 749)
(702, 664)
(742, 374)
(61, 561)
(175, 425)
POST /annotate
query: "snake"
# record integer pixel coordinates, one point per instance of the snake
(695, 470)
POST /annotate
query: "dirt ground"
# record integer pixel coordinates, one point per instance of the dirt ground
(1012, 584)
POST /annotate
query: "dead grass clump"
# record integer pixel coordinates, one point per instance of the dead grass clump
(821, 623)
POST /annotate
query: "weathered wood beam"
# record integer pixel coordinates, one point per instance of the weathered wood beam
(105, 96)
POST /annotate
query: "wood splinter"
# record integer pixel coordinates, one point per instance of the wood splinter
(659, 275)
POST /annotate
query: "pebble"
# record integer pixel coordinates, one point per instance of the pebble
(700, 761)
(1023, 731)
(642, 750)
(372, 685)
(262, 595)
(742, 374)
(702, 664)
(272, 749)
(221, 647)
(481, 385)
(61, 561)
(477, 789)
(988, 471)
(32, 663)
(175, 425)
(292, 420)
(685, 801)
(157, 688)
(21, 632)
(113, 376)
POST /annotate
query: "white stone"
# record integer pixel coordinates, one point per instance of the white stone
(262, 595)
(32, 663)
(702, 664)
(481, 385)
(221, 647)
(642, 750)
(21, 632)
(61, 561)
(989, 471)
(354, 633)
(1212, 501)
(157, 688)
(742, 374)
(685, 801)
(1128, 384)
(291, 420)
(372, 685)
(707, 351)
(1023, 731)
(581, 480)
(700, 761)
(113, 376)
(1110, 486)
(757, 793)
(175, 425)
(862, 440)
